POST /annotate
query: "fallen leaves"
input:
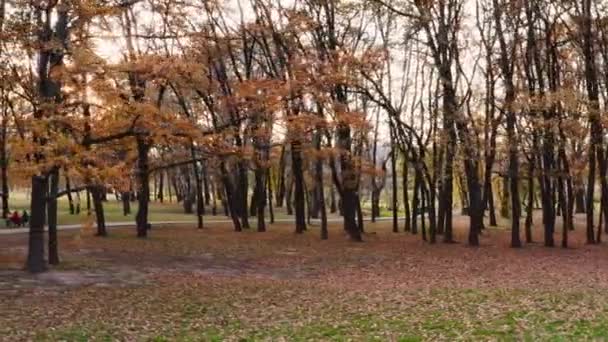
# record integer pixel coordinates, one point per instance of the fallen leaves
(185, 284)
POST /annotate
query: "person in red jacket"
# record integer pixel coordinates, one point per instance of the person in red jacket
(15, 219)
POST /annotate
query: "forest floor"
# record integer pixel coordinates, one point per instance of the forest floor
(214, 284)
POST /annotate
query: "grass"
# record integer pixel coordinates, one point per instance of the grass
(447, 315)
(113, 211)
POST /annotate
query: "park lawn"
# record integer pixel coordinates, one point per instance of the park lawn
(217, 310)
(114, 211)
(183, 284)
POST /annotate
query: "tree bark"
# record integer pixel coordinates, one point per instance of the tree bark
(143, 192)
(53, 244)
(35, 257)
(406, 200)
(298, 178)
(96, 192)
(125, 198)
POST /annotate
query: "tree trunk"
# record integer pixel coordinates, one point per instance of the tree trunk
(242, 192)
(406, 200)
(349, 187)
(35, 257)
(415, 202)
(288, 192)
(161, 185)
(260, 192)
(270, 194)
(395, 205)
(597, 135)
(169, 192)
(206, 184)
(253, 203)
(53, 245)
(332, 198)
(143, 192)
(281, 187)
(125, 197)
(200, 205)
(360, 221)
(504, 199)
(88, 193)
(530, 207)
(298, 178)
(229, 200)
(580, 200)
(68, 188)
(214, 203)
(99, 212)
(319, 178)
(4, 169)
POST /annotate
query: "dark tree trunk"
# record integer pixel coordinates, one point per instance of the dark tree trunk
(99, 212)
(161, 185)
(491, 207)
(200, 205)
(4, 169)
(214, 203)
(288, 192)
(319, 179)
(332, 197)
(270, 194)
(35, 257)
(580, 200)
(88, 194)
(530, 207)
(253, 203)
(349, 193)
(187, 195)
(78, 203)
(423, 202)
(281, 187)
(563, 205)
(125, 198)
(178, 194)
(260, 192)
(225, 205)
(596, 144)
(53, 244)
(206, 184)
(229, 199)
(475, 205)
(143, 192)
(406, 200)
(68, 188)
(547, 193)
(416, 201)
(242, 192)
(375, 203)
(395, 205)
(298, 179)
(360, 222)
(445, 202)
(464, 196)
(504, 199)
(169, 192)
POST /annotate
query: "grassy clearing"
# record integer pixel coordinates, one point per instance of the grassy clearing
(114, 211)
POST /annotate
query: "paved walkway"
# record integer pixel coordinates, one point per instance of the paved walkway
(7, 231)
